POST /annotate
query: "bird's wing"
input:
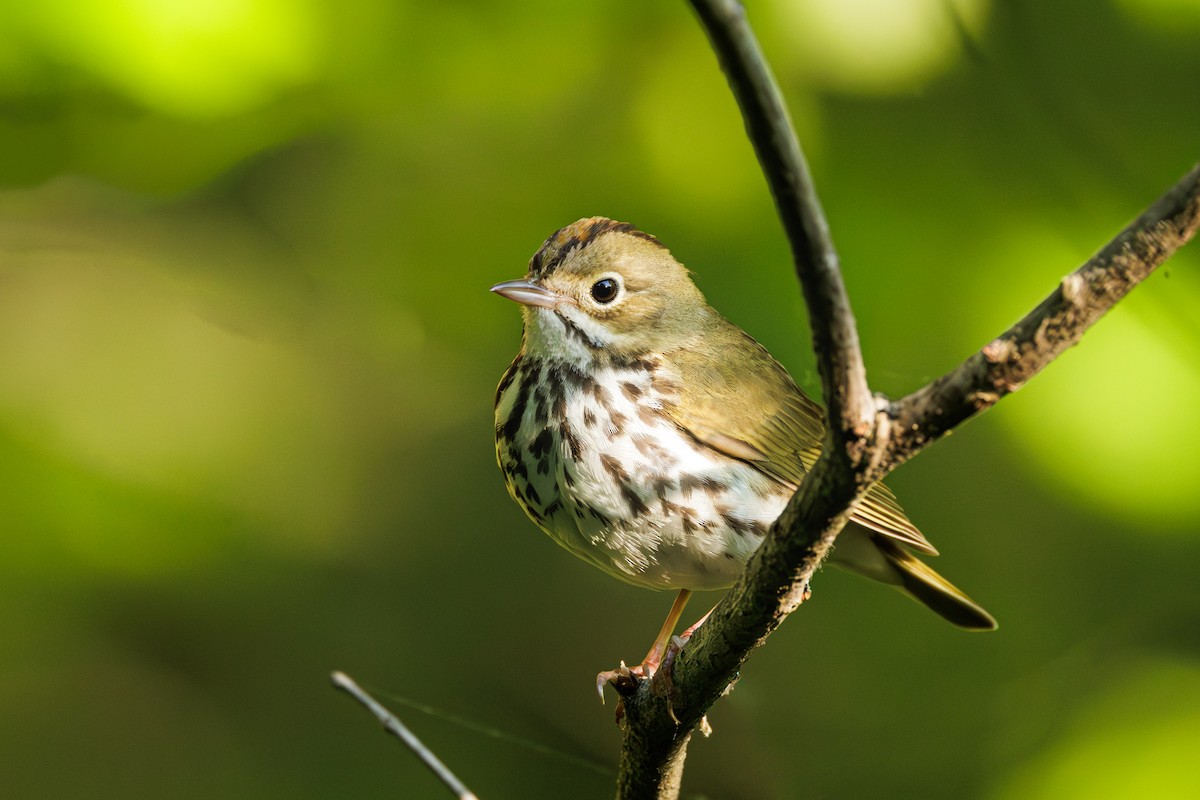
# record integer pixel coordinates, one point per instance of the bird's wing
(755, 412)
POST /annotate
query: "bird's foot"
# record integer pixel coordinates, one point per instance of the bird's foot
(625, 679)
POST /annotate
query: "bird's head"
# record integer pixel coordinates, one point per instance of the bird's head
(599, 290)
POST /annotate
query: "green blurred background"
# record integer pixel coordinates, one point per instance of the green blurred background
(247, 357)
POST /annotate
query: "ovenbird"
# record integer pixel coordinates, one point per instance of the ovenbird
(658, 441)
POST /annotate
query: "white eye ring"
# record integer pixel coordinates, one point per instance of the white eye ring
(606, 289)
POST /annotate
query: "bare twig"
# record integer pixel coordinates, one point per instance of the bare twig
(395, 727)
(849, 405)
(865, 443)
(1007, 362)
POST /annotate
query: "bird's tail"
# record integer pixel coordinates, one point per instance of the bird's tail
(919, 581)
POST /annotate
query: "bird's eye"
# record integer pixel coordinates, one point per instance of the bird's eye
(604, 291)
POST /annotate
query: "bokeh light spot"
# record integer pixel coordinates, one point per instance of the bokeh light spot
(1136, 740)
(194, 60)
(879, 46)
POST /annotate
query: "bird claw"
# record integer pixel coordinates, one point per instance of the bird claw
(623, 679)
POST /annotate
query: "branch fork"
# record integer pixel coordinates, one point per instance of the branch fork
(868, 435)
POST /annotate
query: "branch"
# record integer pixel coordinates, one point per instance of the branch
(776, 578)
(1007, 362)
(849, 406)
(664, 711)
(395, 727)
(661, 714)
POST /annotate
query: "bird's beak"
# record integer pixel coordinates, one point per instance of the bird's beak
(528, 294)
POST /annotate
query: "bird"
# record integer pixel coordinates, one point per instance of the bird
(658, 441)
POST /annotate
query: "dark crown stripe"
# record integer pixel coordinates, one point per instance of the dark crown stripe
(576, 236)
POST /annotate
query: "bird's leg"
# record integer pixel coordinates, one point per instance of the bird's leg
(687, 634)
(649, 665)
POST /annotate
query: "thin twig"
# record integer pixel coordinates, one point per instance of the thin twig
(395, 727)
(1008, 362)
(848, 402)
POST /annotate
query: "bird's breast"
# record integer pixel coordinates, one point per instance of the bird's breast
(597, 461)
